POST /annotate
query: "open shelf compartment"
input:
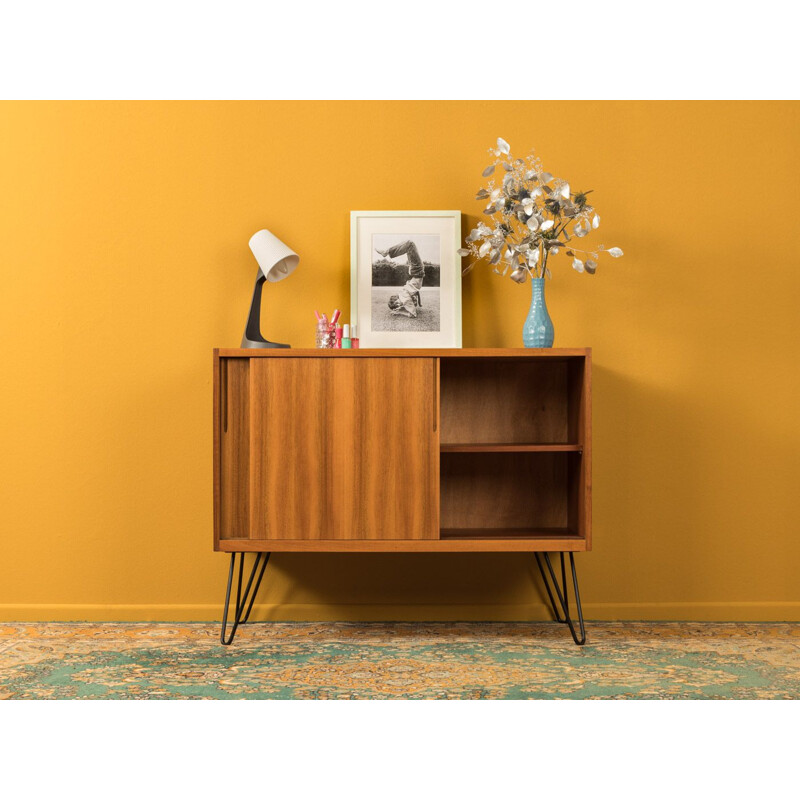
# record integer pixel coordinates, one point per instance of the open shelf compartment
(527, 402)
(510, 495)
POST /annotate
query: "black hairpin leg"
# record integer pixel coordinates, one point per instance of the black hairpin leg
(563, 596)
(242, 599)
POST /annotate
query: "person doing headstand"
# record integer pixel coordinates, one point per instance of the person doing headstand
(409, 298)
(406, 302)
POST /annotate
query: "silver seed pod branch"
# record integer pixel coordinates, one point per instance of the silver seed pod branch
(533, 216)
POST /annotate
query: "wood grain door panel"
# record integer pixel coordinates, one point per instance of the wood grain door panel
(398, 449)
(288, 448)
(343, 449)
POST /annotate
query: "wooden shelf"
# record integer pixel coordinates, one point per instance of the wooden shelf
(502, 447)
(508, 533)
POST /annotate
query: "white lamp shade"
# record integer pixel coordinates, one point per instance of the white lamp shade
(274, 257)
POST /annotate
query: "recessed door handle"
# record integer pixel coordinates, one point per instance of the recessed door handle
(223, 364)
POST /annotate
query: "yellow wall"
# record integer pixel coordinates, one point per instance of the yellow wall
(123, 234)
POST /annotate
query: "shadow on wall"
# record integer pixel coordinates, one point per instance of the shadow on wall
(402, 586)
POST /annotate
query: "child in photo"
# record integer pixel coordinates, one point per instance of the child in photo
(406, 302)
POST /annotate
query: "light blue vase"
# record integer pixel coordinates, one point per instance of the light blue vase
(538, 329)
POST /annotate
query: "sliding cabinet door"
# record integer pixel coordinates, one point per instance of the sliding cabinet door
(395, 444)
(343, 448)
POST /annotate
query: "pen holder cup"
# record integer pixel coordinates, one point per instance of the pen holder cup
(326, 337)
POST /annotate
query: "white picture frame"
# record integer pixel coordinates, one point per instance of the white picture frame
(393, 301)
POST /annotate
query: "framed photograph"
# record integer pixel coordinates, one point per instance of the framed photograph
(405, 278)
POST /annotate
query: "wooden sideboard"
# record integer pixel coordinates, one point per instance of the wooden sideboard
(402, 451)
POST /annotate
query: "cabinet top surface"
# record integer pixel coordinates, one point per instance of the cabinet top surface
(454, 352)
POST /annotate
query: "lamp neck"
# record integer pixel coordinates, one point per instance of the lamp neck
(253, 329)
(252, 332)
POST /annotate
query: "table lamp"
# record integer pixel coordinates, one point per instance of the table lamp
(275, 262)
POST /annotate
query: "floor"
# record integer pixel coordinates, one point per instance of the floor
(399, 660)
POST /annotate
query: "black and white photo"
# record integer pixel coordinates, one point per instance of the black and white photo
(405, 282)
(406, 278)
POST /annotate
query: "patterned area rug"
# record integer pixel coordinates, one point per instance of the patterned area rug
(399, 660)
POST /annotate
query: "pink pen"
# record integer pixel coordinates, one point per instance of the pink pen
(335, 317)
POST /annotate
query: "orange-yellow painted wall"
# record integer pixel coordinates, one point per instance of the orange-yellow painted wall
(123, 234)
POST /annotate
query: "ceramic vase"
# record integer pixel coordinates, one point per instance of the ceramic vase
(538, 330)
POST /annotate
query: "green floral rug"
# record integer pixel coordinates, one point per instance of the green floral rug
(399, 660)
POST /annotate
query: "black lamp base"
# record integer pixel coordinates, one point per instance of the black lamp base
(252, 334)
(263, 343)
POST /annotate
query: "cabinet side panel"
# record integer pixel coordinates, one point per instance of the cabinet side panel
(585, 508)
(234, 448)
(580, 413)
(217, 454)
(291, 412)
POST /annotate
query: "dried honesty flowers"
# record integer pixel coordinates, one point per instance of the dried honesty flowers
(533, 216)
